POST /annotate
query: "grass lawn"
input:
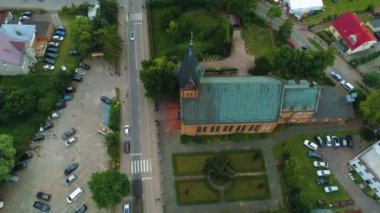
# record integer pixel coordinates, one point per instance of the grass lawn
(248, 188)
(340, 7)
(310, 190)
(242, 160)
(195, 192)
(258, 41)
(315, 44)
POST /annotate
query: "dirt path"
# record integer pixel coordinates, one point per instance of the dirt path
(238, 58)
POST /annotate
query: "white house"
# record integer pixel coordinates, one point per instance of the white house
(300, 7)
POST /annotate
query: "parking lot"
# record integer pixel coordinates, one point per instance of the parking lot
(51, 156)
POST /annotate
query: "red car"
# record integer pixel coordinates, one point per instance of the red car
(291, 43)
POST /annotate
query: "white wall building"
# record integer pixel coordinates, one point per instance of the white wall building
(300, 7)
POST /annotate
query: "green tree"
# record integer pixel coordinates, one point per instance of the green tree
(262, 66)
(370, 108)
(216, 4)
(46, 103)
(111, 43)
(372, 79)
(218, 167)
(59, 82)
(285, 30)
(274, 11)
(19, 103)
(7, 156)
(292, 172)
(159, 78)
(186, 25)
(108, 188)
(173, 30)
(81, 30)
(108, 11)
(169, 15)
(241, 7)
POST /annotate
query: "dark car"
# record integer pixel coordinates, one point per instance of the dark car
(48, 125)
(26, 156)
(314, 154)
(60, 28)
(52, 55)
(71, 168)
(106, 100)
(78, 78)
(68, 133)
(127, 146)
(377, 35)
(74, 52)
(84, 65)
(322, 181)
(41, 206)
(60, 105)
(319, 141)
(49, 60)
(82, 209)
(336, 143)
(70, 89)
(350, 142)
(43, 196)
(19, 166)
(52, 50)
(60, 33)
(38, 137)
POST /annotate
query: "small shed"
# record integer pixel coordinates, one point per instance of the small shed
(374, 25)
(235, 20)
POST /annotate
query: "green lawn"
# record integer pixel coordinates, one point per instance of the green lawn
(340, 7)
(242, 160)
(258, 41)
(310, 190)
(195, 192)
(248, 188)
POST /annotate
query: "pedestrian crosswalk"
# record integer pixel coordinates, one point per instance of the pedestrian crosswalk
(134, 17)
(141, 166)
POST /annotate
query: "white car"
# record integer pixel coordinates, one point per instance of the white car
(58, 38)
(336, 76)
(310, 145)
(330, 189)
(321, 173)
(80, 71)
(126, 130)
(47, 67)
(70, 141)
(55, 115)
(320, 164)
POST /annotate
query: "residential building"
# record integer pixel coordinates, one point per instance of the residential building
(367, 165)
(44, 32)
(353, 32)
(301, 7)
(249, 104)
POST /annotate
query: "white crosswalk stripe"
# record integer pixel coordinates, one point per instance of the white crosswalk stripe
(141, 166)
(134, 17)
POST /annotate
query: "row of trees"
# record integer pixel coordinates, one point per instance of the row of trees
(7, 156)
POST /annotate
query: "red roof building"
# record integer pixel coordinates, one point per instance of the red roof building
(353, 32)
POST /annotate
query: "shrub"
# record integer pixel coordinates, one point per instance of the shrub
(363, 60)
(367, 134)
(262, 66)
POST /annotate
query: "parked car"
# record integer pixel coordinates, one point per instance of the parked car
(325, 172)
(132, 35)
(70, 141)
(41, 206)
(314, 154)
(52, 55)
(320, 164)
(67, 98)
(60, 33)
(126, 130)
(43, 196)
(52, 50)
(48, 125)
(336, 143)
(58, 38)
(82, 209)
(126, 208)
(322, 181)
(60, 105)
(71, 168)
(53, 44)
(84, 65)
(48, 67)
(336, 76)
(319, 141)
(60, 28)
(80, 71)
(27, 13)
(350, 142)
(13, 178)
(26, 156)
(343, 142)
(38, 137)
(74, 52)
(330, 189)
(49, 60)
(347, 85)
(291, 43)
(106, 100)
(310, 145)
(70, 89)
(19, 166)
(329, 142)
(55, 115)
(68, 133)
(127, 147)
(77, 78)
(69, 180)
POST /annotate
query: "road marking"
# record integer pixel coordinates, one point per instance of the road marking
(141, 166)
(146, 178)
(136, 154)
(133, 17)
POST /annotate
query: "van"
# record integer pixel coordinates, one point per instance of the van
(348, 86)
(74, 195)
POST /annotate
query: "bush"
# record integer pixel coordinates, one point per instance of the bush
(326, 36)
(367, 134)
(262, 66)
(372, 79)
(363, 60)
(114, 122)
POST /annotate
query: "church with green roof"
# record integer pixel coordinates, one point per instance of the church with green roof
(243, 104)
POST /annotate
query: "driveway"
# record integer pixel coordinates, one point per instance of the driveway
(51, 157)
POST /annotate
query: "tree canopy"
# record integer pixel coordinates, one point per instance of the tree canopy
(262, 66)
(110, 41)
(240, 7)
(370, 108)
(108, 188)
(19, 103)
(372, 79)
(159, 78)
(81, 29)
(218, 167)
(284, 31)
(7, 156)
(108, 11)
(274, 11)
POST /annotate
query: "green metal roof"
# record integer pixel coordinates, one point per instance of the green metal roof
(300, 97)
(234, 100)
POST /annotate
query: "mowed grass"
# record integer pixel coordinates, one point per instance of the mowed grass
(340, 7)
(195, 192)
(310, 189)
(258, 41)
(248, 188)
(241, 161)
